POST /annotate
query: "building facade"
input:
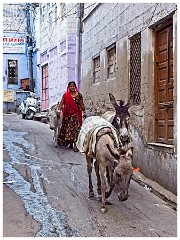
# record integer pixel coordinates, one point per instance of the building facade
(16, 83)
(130, 50)
(58, 50)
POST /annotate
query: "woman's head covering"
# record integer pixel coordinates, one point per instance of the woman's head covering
(72, 82)
(70, 107)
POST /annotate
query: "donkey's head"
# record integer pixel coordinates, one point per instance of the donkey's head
(120, 121)
(52, 116)
(123, 173)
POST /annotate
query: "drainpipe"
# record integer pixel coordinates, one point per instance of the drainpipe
(78, 43)
(30, 46)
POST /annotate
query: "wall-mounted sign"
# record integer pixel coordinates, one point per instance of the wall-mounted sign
(13, 45)
(8, 95)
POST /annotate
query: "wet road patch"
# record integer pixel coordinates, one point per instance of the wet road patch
(53, 223)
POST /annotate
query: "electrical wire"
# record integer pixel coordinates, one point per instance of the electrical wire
(67, 15)
(52, 30)
(13, 19)
(19, 26)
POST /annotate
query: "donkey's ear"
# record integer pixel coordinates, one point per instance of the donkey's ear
(129, 152)
(113, 100)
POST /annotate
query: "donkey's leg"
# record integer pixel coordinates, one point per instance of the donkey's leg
(55, 136)
(111, 184)
(96, 165)
(107, 175)
(89, 170)
(102, 171)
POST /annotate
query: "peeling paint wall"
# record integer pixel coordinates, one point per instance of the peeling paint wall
(108, 23)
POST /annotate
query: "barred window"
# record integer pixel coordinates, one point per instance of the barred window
(96, 70)
(10, 11)
(135, 69)
(55, 14)
(12, 71)
(13, 11)
(111, 54)
(63, 10)
(50, 22)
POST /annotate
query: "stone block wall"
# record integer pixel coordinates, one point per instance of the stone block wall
(108, 23)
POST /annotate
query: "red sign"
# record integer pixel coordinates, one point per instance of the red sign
(13, 45)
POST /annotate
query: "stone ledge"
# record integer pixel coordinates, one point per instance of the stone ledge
(156, 189)
(162, 147)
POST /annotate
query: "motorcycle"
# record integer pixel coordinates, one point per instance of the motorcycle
(28, 106)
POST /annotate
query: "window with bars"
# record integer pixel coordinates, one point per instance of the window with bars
(135, 69)
(55, 14)
(63, 10)
(96, 70)
(12, 71)
(50, 22)
(11, 11)
(111, 55)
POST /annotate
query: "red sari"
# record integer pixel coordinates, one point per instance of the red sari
(71, 107)
(72, 119)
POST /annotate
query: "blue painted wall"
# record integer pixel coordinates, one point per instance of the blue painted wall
(22, 71)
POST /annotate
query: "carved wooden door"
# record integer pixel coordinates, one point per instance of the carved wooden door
(164, 122)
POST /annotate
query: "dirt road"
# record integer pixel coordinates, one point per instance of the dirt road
(45, 192)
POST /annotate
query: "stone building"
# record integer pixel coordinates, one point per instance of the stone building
(130, 49)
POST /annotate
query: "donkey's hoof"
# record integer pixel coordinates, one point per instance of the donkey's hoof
(103, 209)
(91, 194)
(55, 146)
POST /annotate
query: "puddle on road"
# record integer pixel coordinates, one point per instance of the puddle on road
(53, 223)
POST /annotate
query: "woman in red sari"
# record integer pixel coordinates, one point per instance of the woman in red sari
(72, 107)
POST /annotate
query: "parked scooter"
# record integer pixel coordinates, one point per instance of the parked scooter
(28, 106)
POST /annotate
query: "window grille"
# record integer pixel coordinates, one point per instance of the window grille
(96, 70)
(63, 10)
(55, 14)
(13, 10)
(135, 69)
(12, 71)
(111, 68)
(50, 22)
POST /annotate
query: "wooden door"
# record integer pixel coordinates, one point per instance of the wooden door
(45, 88)
(164, 122)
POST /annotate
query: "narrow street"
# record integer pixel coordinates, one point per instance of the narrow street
(45, 192)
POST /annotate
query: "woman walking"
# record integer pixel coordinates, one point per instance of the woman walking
(72, 107)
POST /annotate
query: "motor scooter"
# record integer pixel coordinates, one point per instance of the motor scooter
(28, 106)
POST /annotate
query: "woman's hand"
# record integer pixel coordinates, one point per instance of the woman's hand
(58, 111)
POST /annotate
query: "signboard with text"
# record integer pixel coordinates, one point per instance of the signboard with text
(13, 45)
(8, 96)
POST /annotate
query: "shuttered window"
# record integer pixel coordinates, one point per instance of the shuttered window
(111, 54)
(96, 72)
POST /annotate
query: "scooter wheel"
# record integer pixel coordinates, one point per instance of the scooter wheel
(29, 115)
(23, 116)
